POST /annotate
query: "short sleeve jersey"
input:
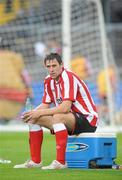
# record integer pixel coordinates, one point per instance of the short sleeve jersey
(71, 87)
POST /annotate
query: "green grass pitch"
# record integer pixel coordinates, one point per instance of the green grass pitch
(14, 146)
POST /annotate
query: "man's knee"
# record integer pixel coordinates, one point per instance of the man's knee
(57, 118)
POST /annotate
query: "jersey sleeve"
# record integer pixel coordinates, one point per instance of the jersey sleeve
(69, 86)
(47, 96)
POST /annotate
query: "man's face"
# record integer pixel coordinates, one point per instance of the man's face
(54, 68)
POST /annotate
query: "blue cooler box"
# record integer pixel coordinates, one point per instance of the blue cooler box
(85, 148)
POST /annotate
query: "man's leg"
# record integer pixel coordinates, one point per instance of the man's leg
(60, 124)
(35, 142)
(61, 141)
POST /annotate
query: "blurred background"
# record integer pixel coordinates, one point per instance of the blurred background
(88, 35)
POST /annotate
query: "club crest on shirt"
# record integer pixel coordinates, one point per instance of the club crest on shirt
(59, 100)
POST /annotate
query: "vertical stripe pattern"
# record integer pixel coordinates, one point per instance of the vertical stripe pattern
(71, 87)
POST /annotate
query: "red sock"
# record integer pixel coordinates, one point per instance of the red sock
(61, 142)
(35, 141)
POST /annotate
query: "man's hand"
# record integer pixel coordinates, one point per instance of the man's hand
(26, 116)
(31, 116)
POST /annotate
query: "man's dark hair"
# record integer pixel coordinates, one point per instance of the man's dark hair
(53, 56)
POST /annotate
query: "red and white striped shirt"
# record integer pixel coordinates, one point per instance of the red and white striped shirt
(71, 87)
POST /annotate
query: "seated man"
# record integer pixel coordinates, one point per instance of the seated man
(74, 112)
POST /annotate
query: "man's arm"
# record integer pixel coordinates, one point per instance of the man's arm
(63, 108)
(42, 106)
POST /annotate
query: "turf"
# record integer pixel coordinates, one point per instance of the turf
(14, 146)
